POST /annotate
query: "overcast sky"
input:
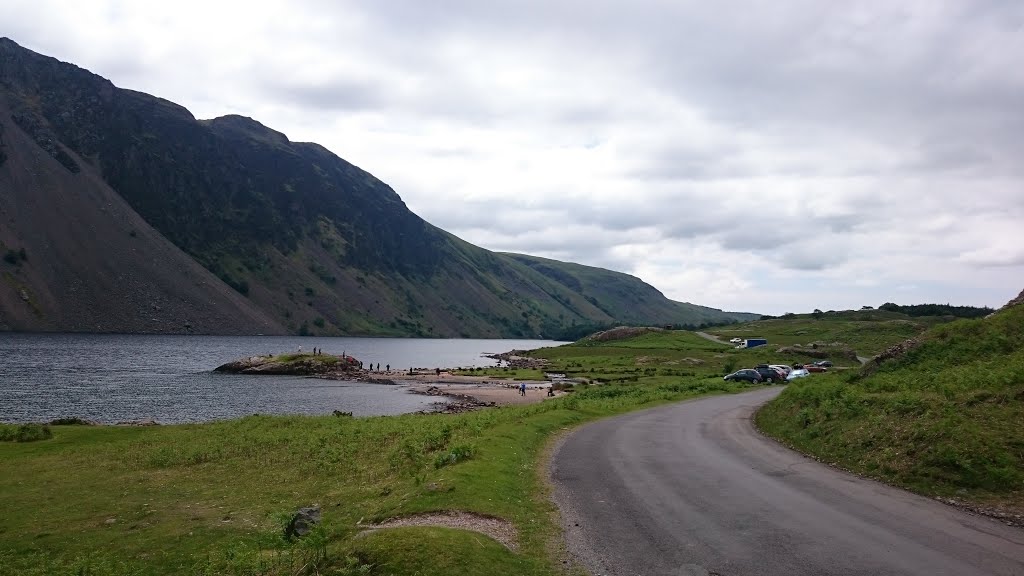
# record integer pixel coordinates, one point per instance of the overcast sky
(760, 156)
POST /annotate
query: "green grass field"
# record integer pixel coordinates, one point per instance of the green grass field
(946, 419)
(867, 332)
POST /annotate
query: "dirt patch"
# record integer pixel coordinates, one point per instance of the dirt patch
(620, 333)
(501, 530)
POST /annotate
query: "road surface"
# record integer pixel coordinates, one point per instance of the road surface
(693, 489)
(713, 338)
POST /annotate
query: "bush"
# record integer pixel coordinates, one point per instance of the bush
(457, 454)
(25, 433)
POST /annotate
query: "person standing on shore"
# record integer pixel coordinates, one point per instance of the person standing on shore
(522, 389)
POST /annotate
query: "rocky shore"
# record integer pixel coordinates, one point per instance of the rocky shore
(465, 393)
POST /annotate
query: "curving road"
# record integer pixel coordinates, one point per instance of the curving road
(693, 489)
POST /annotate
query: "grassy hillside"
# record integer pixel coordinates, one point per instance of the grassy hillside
(947, 418)
(868, 332)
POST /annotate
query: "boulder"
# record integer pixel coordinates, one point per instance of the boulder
(302, 522)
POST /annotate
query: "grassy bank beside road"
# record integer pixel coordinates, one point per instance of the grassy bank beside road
(945, 419)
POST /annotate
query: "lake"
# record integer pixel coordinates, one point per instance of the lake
(169, 379)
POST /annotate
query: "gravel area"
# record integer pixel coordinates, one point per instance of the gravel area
(498, 529)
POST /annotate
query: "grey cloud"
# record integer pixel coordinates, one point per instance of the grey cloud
(333, 94)
(806, 257)
(1005, 259)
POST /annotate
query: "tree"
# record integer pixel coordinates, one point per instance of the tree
(817, 313)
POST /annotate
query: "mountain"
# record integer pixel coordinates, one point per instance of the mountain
(307, 242)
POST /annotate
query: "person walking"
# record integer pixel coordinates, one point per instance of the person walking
(522, 389)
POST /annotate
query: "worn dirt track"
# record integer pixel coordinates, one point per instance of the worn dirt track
(693, 488)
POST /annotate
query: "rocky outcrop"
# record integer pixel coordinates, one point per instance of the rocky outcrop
(895, 351)
(1015, 302)
(293, 365)
(516, 359)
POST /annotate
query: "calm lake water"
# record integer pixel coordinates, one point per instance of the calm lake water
(169, 379)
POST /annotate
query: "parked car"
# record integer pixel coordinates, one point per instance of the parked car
(768, 374)
(824, 363)
(797, 373)
(815, 368)
(746, 375)
(781, 368)
(735, 340)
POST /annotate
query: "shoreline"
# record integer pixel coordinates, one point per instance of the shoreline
(470, 392)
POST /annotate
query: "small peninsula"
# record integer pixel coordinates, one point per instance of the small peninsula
(298, 364)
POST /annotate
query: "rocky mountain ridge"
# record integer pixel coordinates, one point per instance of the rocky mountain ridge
(298, 239)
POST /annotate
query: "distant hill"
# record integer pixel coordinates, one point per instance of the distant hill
(307, 242)
(624, 298)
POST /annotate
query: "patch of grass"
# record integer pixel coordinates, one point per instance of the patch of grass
(945, 419)
(506, 372)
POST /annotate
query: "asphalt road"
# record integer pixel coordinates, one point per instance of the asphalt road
(693, 489)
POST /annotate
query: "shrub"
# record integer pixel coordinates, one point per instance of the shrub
(457, 454)
(25, 433)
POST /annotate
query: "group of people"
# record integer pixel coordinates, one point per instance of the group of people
(317, 351)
